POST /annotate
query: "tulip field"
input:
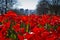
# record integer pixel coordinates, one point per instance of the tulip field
(29, 27)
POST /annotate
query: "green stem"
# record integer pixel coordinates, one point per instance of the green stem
(27, 28)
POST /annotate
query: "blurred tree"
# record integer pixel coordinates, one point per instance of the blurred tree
(55, 7)
(6, 5)
(43, 7)
(16, 10)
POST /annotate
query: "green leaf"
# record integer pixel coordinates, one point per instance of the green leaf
(55, 27)
(0, 23)
(22, 25)
(48, 26)
(39, 26)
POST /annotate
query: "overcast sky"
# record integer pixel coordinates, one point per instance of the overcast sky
(26, 4)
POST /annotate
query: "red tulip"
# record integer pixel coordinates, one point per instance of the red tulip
(17, 28)
(20, 37)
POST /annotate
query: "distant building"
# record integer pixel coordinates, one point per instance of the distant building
(26, 12)
(32, 11)
(21, 11)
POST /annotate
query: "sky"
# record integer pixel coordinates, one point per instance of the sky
(26, 4)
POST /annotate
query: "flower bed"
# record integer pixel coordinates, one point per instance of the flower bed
(32, 27)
